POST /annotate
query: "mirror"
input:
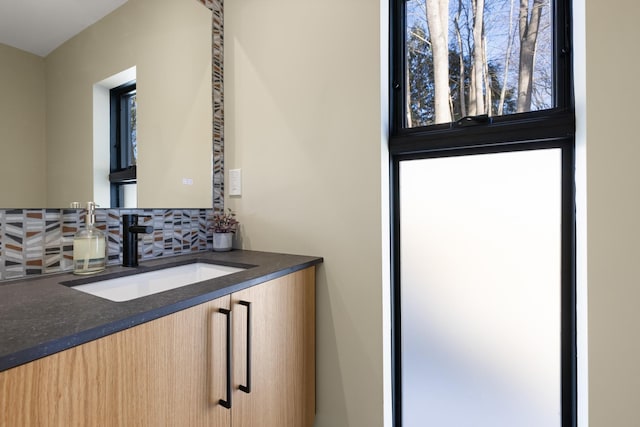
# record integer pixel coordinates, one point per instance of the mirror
(54, 110)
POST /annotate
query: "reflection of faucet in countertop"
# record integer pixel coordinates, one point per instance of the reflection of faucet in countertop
(130, 231)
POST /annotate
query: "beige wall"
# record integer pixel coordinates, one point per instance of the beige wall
(169, 41)
(303, 120)
(303, 104)
(609, 132)
(22, 129)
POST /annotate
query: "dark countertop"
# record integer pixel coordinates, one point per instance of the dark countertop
(40, 316)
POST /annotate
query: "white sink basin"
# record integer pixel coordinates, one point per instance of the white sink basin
(143, 284)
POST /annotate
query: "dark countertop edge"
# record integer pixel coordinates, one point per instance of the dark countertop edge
(54, 346)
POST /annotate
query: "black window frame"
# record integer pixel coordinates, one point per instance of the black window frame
(551, 128)
(122, 171)
(516, 126)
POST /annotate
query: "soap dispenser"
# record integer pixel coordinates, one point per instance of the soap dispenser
(89, 246)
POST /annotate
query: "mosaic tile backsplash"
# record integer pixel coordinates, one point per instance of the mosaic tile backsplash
(39, 241)
(217, 70)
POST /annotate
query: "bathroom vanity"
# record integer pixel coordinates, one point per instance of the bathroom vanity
(236, 350)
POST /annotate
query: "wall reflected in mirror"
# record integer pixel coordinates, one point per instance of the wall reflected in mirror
(55, 114)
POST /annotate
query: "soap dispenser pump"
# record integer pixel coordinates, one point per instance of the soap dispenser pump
(89, 246)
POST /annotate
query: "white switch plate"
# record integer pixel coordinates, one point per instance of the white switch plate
(235, 182)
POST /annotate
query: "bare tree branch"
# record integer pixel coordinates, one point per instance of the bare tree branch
(507, 61)
(529, 26)
(438, 22)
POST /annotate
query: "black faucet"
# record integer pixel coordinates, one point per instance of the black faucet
(130, 231)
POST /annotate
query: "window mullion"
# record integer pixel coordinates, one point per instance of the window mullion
(550, 127)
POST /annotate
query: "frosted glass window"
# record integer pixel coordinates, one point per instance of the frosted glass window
(480, 283)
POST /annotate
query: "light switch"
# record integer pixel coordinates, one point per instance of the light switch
(235, 182)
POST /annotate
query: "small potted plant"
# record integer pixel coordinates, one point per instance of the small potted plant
(224, 225)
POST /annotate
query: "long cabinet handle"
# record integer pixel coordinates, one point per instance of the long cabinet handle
(227, 403)
(247, 388)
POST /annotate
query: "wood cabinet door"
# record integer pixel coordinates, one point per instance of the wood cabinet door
(282, 353)
(167, 372)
